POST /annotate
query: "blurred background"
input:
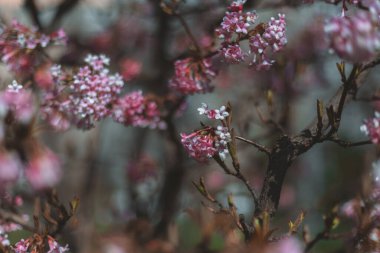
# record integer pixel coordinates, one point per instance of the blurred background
(131, 181)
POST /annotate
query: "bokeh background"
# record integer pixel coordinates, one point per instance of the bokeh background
(119, 172)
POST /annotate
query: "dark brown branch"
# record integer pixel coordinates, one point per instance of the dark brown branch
(347, 144)
(287, 149)
(63, 8)
(31, 7)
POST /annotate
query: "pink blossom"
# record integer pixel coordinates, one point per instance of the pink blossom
(371, 128)
(235, 22)
(43, 78)
(192, 76)
(130, 69)
(83, 98)
(355, 38)
(273, 39)
(350, 208)
(18, 101)
(43, 170)
(18, 43)
(54, 247)
(10, 168)
(287, 245)
(136, 110)
(22, 246)
(233, 53)
(206, 143)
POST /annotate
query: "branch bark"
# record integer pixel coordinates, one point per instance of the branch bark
(288, 148)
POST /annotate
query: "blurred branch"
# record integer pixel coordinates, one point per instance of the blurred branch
(15, 218)
(62, 9)
(188, 31)
(31, 7)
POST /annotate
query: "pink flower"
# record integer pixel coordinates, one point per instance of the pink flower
(130, 69)
(18, 101)
(136, 110)
(18, 43)
(22, 246)
(287, 245)
(355, 38)
(371, 128)
(10, 168)
(235, 22)
(206, 143)
(54, 247)
(233, 53)
(43, 78)
(84, 98)
(43, 170)
(192, 76)
(273, 39)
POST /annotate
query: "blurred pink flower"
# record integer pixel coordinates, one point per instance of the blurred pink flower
(43, 170)
(130, 68)
(136, 110)
(192, 76)
(19, 101)
(10, 168)
(54, 247)
(371, 128)
(356, 38)
(287, 245)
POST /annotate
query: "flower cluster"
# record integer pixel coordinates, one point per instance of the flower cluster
(10, 168)
(25, 246)
(273, 39)
(18, 102)
(364, 210)
(371, 128)
(192, 76)
(235, 22)
(43, 170)
(208, 141)
(220, 113)
(356, 38)
(130, 69)
(54, 247)
(263, 39)
(18, 42)
(136, 110)
(85, 98)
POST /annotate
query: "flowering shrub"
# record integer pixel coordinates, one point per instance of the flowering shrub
(192, 76)
(238, 25)
(169, 54)
(18, 45)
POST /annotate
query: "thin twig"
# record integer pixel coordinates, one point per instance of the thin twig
(188, 31)
(258, 146)
(347, 144)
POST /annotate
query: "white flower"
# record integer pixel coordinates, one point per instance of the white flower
(14, 86)
(203, 109)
